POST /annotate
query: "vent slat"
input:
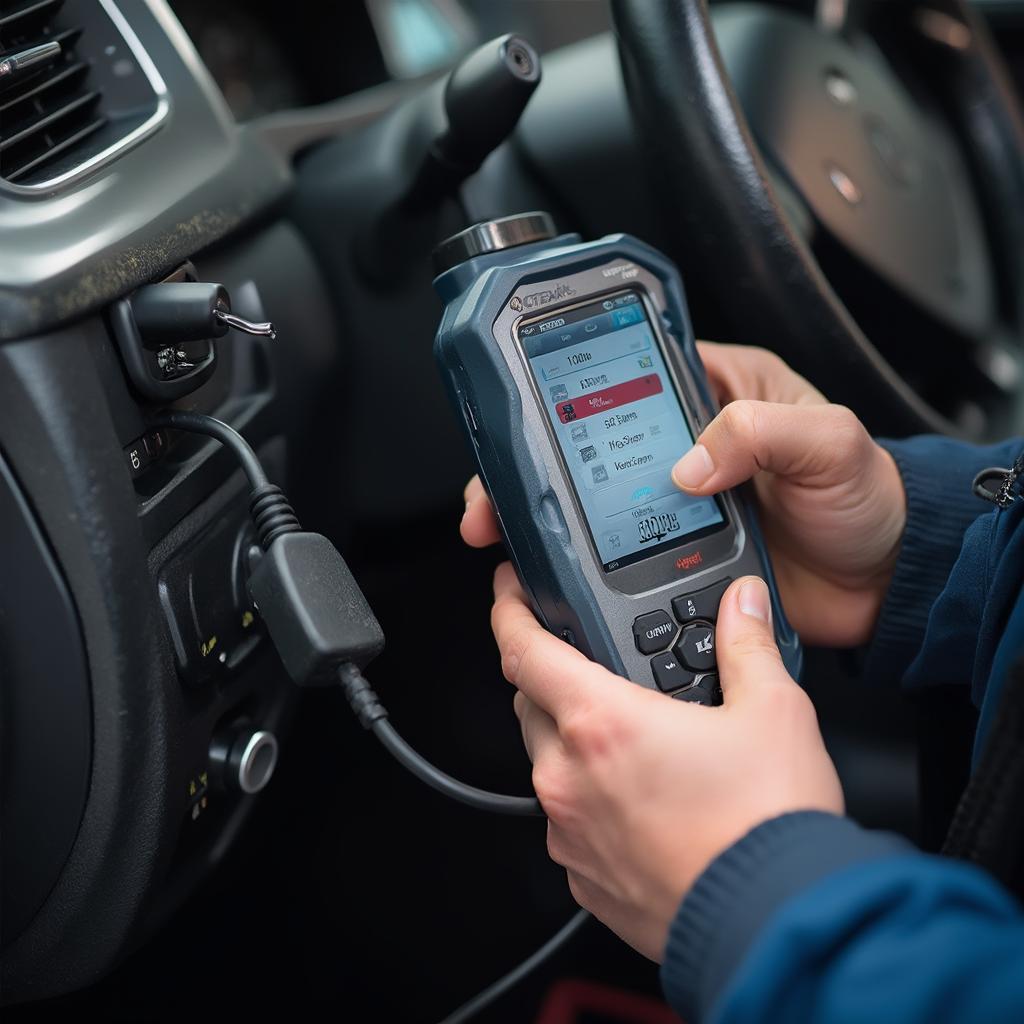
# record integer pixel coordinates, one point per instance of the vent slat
(54, 109)
(21, 171)
(66, 37)
(79, 108)
(33, 10)
(41, 84)
(43, 123)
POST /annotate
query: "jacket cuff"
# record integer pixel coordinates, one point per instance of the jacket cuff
(937, 476)
(732, 901)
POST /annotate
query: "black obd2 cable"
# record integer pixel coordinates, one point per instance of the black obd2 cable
(295, 602)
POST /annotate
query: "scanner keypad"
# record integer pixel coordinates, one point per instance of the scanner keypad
(706, 692)
(684, 644)
(654, 632)
(702, 604)
(696, 647)
(670, 673)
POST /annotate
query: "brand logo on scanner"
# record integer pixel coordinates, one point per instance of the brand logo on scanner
(623, 270)
(535, 299)
(689, 561)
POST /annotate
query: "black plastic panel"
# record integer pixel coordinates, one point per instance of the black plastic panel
(66, 414)
(58, 438)
(45, 719)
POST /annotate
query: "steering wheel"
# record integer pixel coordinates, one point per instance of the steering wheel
(847, 189)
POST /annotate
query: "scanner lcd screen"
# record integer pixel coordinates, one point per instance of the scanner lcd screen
(607, 392)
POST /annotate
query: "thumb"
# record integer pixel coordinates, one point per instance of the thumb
(811, 443)
(748, 657)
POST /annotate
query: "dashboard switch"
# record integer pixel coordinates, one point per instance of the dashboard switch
(203, 591)
(244, 759)
(144, 451)
(166, 334)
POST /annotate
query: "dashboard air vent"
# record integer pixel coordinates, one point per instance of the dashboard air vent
(67, 107)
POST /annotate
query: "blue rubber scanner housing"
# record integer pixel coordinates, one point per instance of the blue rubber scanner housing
(504, 426)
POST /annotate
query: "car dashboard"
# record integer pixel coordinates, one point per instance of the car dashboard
(128, 644)
(133, 657)
(255, 155)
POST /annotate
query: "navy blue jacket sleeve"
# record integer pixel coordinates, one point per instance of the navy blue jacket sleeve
(937, 473)
(810, 918)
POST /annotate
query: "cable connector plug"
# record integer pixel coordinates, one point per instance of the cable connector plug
(272, 515)
(361, 696)
(321, 625)
(313, 608)
(374, 717)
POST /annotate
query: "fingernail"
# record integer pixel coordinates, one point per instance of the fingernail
(694, 468)
(754, 600)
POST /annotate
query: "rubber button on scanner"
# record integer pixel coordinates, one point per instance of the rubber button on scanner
(695, 695)
(696, 647)
(653, 632)
(669, 674)
(710, 685)
(702, 604)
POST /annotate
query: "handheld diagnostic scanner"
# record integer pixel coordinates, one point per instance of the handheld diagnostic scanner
(574, 369)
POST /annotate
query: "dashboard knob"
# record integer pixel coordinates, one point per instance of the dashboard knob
(245, 758)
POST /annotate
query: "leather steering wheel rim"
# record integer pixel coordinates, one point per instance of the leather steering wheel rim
(718, 197)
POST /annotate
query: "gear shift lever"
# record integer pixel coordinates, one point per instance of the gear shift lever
(459, 123)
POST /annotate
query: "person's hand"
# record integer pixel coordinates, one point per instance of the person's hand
(642, 791)
(832, 502)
